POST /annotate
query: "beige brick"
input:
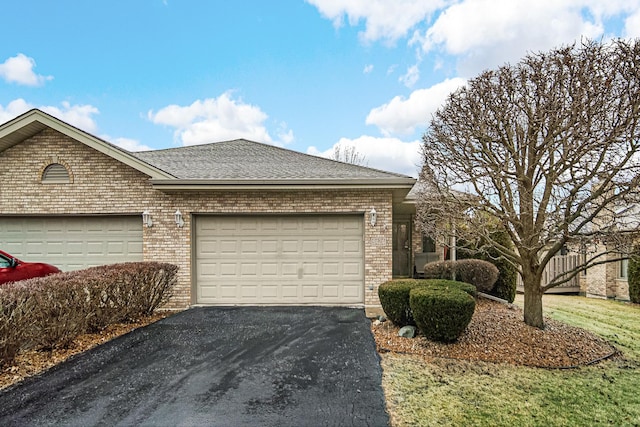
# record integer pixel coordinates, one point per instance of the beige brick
(101, 185)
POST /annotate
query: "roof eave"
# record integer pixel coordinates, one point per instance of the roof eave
(34, 121)
(282, 184)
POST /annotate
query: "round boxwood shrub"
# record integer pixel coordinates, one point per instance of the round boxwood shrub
(441, 313)
(451, 285)
(482, 274)
(440, 270)
(633, 276)
(394, 298)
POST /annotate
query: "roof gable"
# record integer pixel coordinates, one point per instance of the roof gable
(34, 121)
(230, 165)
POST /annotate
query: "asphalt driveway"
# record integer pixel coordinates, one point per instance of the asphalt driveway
(235, 366)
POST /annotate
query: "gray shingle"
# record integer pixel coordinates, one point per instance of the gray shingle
(241, 159)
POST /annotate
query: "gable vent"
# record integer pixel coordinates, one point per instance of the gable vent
(55, 174)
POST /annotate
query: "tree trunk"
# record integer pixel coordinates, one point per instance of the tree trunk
(532, 301)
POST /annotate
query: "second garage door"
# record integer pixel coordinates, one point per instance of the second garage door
(73, 242)
(279, 259)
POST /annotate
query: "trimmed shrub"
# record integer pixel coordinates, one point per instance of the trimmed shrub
(482, 274)
(441, 313)
(451, 285)
(440, 270)
(16, 306)
(50, 312)
(505, 286)
(60, 313)
(633, 276)
(129, 292)
(394, 298)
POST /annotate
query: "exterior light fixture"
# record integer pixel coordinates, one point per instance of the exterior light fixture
(373, 217)
(146, 218)
(178, 218)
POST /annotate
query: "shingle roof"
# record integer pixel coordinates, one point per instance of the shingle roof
(247, 160)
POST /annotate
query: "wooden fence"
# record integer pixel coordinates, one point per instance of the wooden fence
(558, 265)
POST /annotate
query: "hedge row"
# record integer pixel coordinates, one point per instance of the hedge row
(50, 312)
(441, 309)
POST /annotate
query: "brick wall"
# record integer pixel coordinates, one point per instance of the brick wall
(102, 185)
(603, 281)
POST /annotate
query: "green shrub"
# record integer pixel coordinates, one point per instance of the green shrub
(441, 313)
(451, 285)
(482, 274)
(633, 276)
(505, 286)
(394, 298)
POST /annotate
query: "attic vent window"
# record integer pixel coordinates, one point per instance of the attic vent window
(55, 174)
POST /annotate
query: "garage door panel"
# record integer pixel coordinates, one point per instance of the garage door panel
(269, 270)
(208, 247)
(289, 246)
(289, 269)
(310, 247)
(279, 260)
(73, 243)
(352, 246)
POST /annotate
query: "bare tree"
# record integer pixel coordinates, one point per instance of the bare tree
(348, 154)
(547, 147)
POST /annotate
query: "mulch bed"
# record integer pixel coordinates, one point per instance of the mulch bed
(31, 363)
(498, 334)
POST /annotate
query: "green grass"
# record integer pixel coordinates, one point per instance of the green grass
(616, 321)
(457, 393)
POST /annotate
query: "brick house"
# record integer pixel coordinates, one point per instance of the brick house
(247, 223)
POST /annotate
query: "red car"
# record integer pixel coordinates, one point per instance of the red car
(12, 269)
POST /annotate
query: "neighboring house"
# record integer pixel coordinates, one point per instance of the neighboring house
(247, 223)
(606, 280)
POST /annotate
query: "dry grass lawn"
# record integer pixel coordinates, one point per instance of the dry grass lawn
(423, 390)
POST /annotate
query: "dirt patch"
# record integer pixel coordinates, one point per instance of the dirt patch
(31, 363)
(498, 334)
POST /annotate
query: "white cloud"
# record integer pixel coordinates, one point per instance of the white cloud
(411, 77)
(215, 119)
(384, 20)
(632, 25)
(13, 109)
(127, 143)
(388, 154)
(368, 68)
(285, 135)
(403, 115)
(79, 116)
(19, 69)
(487, 33)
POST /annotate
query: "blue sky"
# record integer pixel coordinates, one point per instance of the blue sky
(305, 75)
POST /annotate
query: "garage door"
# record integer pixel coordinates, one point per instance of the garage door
(73, 243)
(279, 259)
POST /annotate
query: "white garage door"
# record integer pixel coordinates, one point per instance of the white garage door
(280, 259)
(74, 242)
